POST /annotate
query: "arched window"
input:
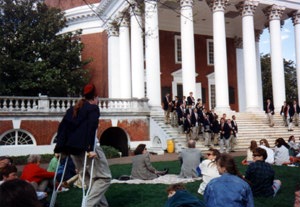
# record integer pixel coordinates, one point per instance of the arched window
(17, 137)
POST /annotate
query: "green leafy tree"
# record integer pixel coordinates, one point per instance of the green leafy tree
(34, 56)
(289, 75)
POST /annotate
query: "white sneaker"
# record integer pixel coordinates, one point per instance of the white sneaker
(62, 189)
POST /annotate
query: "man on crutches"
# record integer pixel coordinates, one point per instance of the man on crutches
(76, 136)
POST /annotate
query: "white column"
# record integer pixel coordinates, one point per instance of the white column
(137, 54)
(296, 21)
(125, 74)
(247, 9)
(113, 61)
(152, 54)
(220, 55)
(258, 67)
(188, 47)
(238, 42)
(278, 83)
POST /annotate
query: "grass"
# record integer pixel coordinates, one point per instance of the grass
(125, 195)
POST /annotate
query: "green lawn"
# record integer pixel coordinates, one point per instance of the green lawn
(124, 195)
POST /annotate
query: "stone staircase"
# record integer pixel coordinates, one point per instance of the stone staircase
(251, 126)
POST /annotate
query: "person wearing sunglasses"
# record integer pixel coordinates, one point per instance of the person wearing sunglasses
(260, 175)
(208, 168)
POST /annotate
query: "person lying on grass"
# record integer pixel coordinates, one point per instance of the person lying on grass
(178, 196)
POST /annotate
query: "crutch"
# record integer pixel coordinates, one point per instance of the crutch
(86, 193)
(55, 189)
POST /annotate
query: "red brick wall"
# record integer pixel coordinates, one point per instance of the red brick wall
(103, 125)
(168, 65)
(68, 4)
(95, 48)
(232, 71)
(5, 126)
(42, 130)
(138, 130)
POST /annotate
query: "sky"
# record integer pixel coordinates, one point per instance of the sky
(287, 41)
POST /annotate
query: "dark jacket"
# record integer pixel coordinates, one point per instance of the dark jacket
(77, 134)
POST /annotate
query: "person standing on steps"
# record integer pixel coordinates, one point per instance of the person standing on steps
(269, 109)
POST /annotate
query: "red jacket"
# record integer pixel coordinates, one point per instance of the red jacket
(34, 173)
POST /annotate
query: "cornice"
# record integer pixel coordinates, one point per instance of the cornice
(80, 14)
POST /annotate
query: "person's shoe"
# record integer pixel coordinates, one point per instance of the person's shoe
(62, 189)
(165, 171)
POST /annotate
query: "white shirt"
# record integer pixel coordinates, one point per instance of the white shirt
(281, 155)
(270, 153)
(209, 171)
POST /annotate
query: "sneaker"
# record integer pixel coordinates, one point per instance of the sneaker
(63, 189)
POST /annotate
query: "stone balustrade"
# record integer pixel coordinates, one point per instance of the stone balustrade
(40, 104)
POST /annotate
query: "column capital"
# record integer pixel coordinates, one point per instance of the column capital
(217, 5)
(135, 8)
(112, 29)
(247, 7)
(186, 3)
(257, 33)
(296, 17)
(124, 21)
(238, 42)
(274, 12)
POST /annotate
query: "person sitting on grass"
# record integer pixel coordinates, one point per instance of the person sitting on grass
(18, 193)
(190, 159)
(208, 168)
(10, 173)
(141, 165)
(263, 143)
(178, 196)
(261, 175)
(230, 189)
(4, 161)
(281, 152)
(34, 174)
(249, 158)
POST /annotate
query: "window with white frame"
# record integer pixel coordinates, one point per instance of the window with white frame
(16, 137)
(210, 51)
(178, 49)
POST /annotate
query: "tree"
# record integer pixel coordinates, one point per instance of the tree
(34, 56)
(289, 75)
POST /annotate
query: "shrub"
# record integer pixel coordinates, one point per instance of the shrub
(110, 152)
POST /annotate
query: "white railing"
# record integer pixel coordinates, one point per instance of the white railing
(61, 104)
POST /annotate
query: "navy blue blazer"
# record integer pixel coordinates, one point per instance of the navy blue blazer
(77, 134)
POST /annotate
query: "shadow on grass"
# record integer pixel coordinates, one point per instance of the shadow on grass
(147, 195)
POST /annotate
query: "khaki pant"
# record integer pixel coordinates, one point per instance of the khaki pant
(167, 116)
(296, 119)
(100, 182)
(215, 138)
(207, 138)
(271, 120)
